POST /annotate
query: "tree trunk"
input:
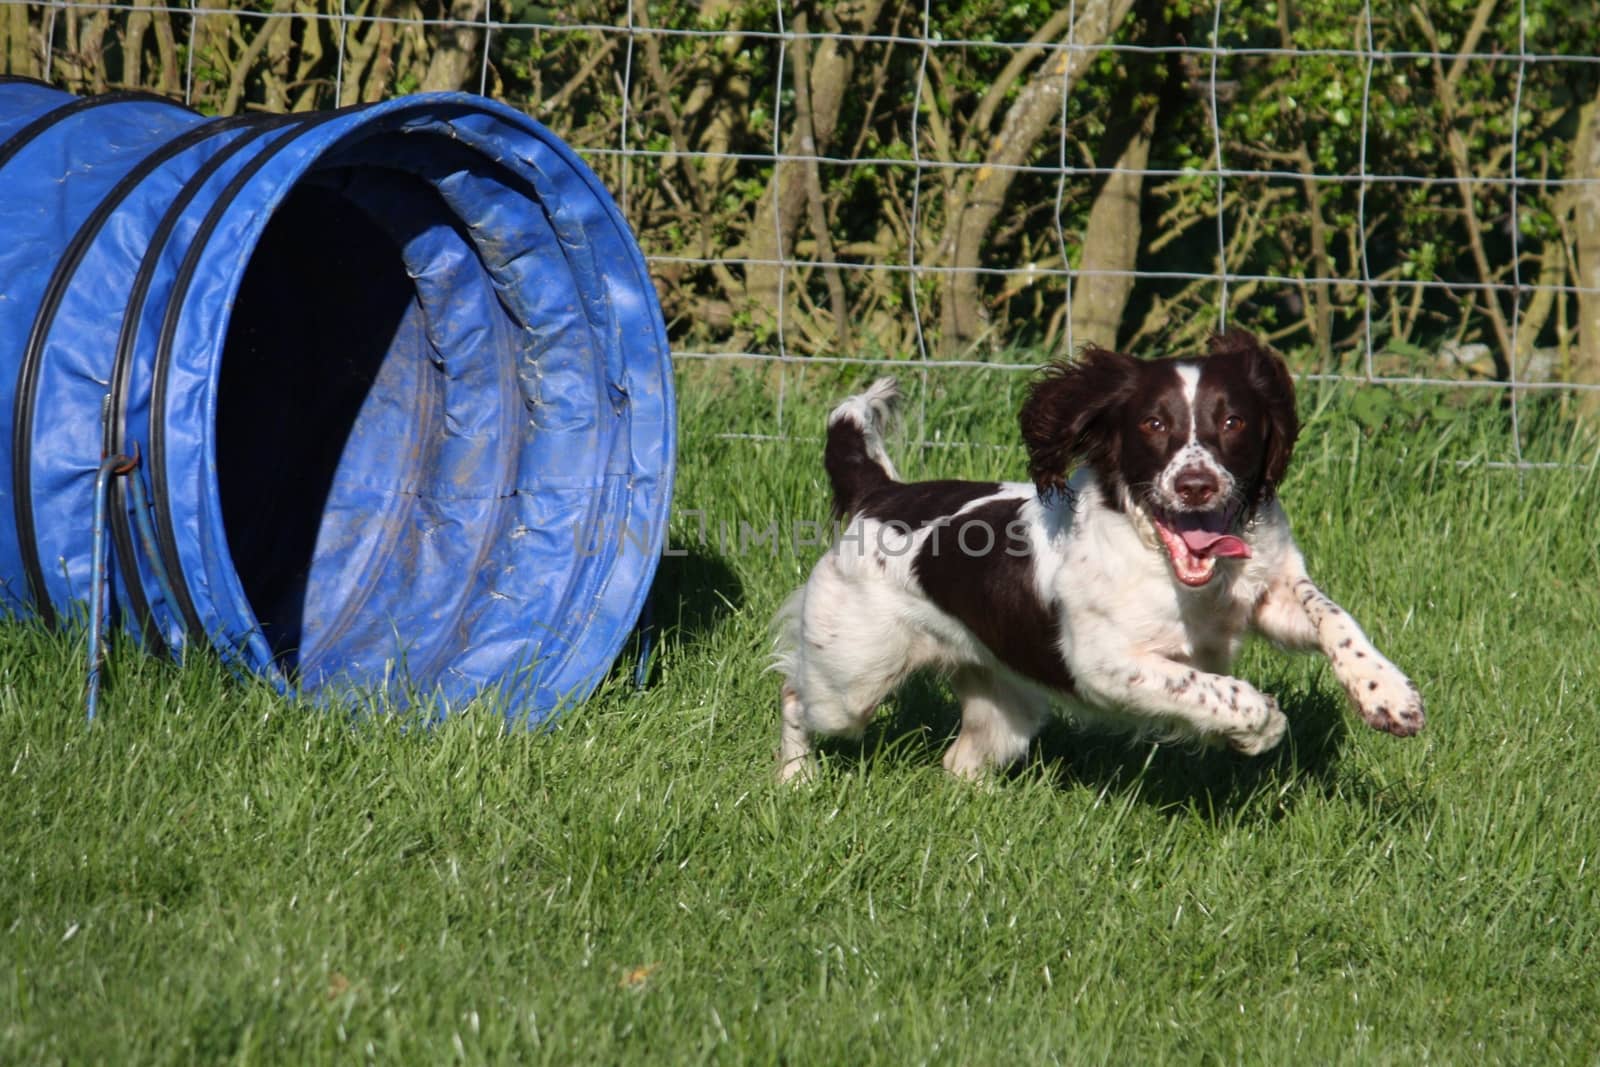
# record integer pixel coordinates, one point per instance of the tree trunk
(783, 205)
(1586, 166)
(722, 94)
(1111, 245)
(14, 32)
(974, 203)
(456, 61)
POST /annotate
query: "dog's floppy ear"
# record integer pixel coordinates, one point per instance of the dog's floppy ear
(1269, 378)
(1066, 416)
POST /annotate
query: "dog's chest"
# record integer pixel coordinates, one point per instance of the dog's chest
(1213, 622)
(1127, 590)
(1196, 625)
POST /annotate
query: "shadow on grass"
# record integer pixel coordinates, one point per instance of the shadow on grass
(1213, 783)
(1182, 780)
(694, 591)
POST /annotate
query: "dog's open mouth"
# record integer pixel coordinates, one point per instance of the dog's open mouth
(1196, 540)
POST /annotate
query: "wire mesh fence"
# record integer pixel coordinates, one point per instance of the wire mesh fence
(1405, 197)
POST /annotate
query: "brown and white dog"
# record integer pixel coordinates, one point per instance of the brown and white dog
(1123, 592)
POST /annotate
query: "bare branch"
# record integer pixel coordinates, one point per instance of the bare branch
(1006, 80)
(246, 61)
(1466, 185)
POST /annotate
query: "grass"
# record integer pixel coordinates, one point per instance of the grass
(215, 874)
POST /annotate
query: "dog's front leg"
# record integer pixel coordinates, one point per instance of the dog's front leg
(1296, 614)
(1167, 692)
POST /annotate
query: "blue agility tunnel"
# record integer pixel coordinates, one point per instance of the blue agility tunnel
(395, 376)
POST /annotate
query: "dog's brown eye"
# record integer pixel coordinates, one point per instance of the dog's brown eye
(1154, 424)
(1233, 424)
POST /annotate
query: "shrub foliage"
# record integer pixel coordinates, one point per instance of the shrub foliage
(1401, 186)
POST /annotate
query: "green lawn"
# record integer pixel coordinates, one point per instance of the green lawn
(215, 874)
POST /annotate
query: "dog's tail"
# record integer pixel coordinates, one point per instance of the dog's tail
(855, 458)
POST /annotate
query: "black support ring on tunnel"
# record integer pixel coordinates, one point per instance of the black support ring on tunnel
(116, 442)
(19, 140)
(27, 396)
(44, 318)
(166, 537)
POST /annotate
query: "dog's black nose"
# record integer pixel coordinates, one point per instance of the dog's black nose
(1196, 487)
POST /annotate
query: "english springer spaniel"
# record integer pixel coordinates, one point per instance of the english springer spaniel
(1123, 592)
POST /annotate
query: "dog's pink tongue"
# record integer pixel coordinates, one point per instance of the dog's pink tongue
(1204, 543)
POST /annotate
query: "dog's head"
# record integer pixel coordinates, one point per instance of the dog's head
(1193, 444)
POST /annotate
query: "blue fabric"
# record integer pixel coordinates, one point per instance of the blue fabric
(53, 183)
(398, 372)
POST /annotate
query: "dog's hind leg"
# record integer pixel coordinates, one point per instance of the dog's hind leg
(834, 690)
(829, 695)
(999, 718)
(819, 709)
(795, 761)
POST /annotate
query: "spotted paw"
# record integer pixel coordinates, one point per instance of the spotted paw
(1385, 698)
(1266, 735)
